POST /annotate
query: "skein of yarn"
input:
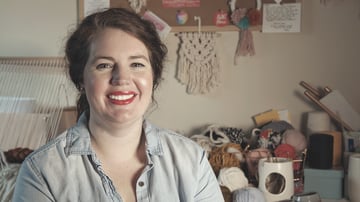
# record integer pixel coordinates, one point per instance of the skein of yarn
(233, 178)
(248, 194)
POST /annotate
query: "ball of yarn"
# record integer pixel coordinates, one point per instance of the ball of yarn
(221, 157)
(295, 138)
(285, 151)
(227, 194)
(248, 194)
(233, 178)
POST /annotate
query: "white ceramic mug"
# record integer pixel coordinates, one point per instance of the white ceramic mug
(354, 177)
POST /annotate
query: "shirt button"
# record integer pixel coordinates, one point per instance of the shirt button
(141, 183)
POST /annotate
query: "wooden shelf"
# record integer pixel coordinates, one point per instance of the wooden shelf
(210, 28)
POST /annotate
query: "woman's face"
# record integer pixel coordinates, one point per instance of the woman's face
(118, 78)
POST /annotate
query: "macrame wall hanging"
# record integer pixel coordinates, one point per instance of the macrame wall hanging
(198, 66)
(243, 18)
(136, 5)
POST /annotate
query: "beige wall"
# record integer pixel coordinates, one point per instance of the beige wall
(326, 52)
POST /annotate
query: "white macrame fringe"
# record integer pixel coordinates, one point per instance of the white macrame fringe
(199, 67)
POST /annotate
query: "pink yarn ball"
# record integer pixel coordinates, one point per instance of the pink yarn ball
(295, 138)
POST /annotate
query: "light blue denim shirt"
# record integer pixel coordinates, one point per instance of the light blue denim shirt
(67, 169)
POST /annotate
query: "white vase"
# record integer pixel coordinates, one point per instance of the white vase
(354, 177)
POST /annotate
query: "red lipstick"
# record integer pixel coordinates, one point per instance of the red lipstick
(122, 97)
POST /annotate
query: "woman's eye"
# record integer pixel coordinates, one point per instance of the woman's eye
(104, 66)
(136, 65)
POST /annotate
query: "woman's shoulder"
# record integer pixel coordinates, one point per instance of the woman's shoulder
(74, 140)
(48, 150)
(173, 140)
(167, 133)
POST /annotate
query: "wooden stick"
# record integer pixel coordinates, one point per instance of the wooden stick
(311, 90)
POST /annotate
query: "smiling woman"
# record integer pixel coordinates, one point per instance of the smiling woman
(115, 60)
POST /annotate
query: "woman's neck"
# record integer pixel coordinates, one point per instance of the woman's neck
(121, 152)
(114, 142)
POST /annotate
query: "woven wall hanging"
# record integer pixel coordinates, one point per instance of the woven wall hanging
(198, 66)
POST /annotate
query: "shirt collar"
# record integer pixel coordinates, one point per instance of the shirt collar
(153, 140)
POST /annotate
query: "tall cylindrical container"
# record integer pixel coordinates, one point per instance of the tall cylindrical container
(320, 151)
(354, 177)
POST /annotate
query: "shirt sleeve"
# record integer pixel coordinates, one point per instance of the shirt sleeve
(30, 186)
(209, 188)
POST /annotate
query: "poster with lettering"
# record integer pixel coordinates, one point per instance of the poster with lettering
(279, 18)
(180, 3)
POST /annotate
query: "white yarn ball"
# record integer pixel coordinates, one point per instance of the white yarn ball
(233, 178)
(248, 194)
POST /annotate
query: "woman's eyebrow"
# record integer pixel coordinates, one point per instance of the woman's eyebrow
(96, 58)
(103, 57)
(139, 57)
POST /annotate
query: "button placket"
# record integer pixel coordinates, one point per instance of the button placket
(142, 191)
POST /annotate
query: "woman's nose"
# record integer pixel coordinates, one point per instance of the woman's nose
(120, 76)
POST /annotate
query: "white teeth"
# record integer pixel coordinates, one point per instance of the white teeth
(120, 97)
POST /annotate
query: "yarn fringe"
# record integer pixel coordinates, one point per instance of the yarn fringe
(245, 45)
(198, 67)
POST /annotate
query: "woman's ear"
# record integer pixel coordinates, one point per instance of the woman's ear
(81, 88)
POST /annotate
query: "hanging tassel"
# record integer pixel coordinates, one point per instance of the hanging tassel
(245, 44)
